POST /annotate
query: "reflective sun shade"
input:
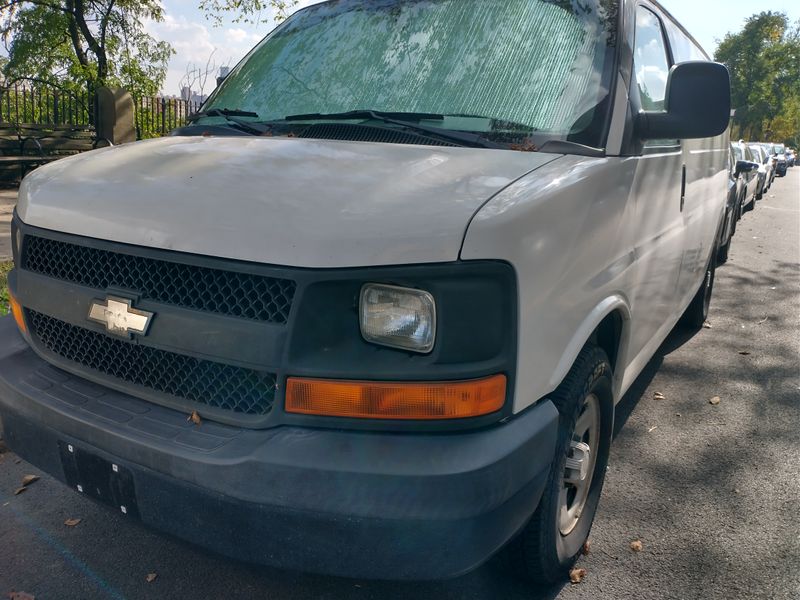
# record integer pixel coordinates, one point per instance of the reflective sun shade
(396, 400)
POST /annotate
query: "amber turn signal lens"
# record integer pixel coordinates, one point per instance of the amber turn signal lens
(396, 400)
(16, 310)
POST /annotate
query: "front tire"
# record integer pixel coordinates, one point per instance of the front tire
(551, 542)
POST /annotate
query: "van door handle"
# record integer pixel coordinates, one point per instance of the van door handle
(683, 187)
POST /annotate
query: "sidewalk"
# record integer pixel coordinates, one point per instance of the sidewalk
(8, 199)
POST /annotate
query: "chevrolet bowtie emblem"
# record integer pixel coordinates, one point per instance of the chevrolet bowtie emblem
(119, 317)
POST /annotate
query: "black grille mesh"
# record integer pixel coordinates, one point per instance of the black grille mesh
(201, 288)
(365, 133)
(243, 391)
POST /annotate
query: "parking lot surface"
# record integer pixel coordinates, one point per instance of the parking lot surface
(710, 490)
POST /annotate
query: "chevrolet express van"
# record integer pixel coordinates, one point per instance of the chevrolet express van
(398, 272)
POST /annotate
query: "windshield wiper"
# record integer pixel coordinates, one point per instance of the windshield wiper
(221, 112)
(407, 120)
(231, 116)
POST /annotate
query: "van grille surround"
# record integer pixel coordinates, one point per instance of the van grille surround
(230, 293)
(216, 385)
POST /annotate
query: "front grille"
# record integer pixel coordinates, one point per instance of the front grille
(213, 384)
(218, 291)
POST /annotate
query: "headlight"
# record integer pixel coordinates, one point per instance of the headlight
(398, 317)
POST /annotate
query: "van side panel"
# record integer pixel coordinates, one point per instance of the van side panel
(569, 230)
(585, 233)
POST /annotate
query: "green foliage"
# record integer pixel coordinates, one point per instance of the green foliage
(247, 11)
(764, 61)
(5, 268)
(72, 43)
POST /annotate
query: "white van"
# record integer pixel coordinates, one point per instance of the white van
(397, 273)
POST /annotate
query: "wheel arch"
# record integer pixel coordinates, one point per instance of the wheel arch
(607, 326)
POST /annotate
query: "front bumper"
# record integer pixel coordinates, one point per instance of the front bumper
(376, 505)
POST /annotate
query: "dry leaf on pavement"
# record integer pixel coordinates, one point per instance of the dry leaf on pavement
(18, 491)
(706, 325)
(587, 546)
(636, 546)
(21, 596)
(658, 396)
(71, 522)
(29, 479)
(195, 418)
(151, 577)
(715, 400)
(744, 353)
(577, 575)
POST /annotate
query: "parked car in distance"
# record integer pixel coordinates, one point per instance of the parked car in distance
(771, 163)
(759, 156)
(740, 174)
(743, 154)
(398, 313)
(782, 163)
(790, 157)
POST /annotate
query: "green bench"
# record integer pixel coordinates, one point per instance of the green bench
(28, 146)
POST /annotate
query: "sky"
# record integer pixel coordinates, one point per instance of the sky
(195, 38)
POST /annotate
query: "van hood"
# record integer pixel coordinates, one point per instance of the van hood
(282, 201)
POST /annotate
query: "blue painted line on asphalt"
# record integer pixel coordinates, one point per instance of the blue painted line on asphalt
(76, 562)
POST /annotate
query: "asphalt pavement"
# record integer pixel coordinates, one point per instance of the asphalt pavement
(710, 490)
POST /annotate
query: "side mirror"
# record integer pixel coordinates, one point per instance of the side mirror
(745, 166)
(698, 104)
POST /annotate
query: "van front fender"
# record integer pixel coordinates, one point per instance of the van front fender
(584, 332)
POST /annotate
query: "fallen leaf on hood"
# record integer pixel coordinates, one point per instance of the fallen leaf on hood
(29, 479)
(194, 418)
(587, 546)
(151, 577)
(18, 491)
(21, 596)
(577, 575)
(658, 396)
(72, 522)
(715, 400)
(636, 546)
(706, 325)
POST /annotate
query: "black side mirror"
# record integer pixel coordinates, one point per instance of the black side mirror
(698, 104)
(745, 166)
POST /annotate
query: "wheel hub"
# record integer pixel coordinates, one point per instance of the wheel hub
(579, 465)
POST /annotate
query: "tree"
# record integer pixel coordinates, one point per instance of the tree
(764, 62)
(247, 11)
(70, 42)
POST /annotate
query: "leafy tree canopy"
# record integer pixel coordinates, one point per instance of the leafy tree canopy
(764, 62)
(247, 11)
(74, 42)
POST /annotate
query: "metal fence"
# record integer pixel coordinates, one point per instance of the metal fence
(156, 116)
(34, 103)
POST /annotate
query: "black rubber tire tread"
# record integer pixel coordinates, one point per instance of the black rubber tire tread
(696, 315)
(532, 554)
(722, 253)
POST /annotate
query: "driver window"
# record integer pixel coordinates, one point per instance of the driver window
(650, 60)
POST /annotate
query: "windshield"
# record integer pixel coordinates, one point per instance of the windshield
(538, 67)
(780, 149)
